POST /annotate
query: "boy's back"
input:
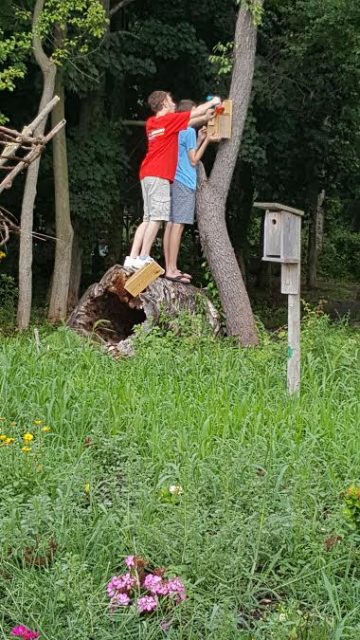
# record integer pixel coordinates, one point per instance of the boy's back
(186, 172)
(162, 153)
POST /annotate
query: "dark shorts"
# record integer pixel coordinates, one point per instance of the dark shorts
(182, 204)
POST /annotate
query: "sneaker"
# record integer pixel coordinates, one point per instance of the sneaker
(129, 263)
(132, 264)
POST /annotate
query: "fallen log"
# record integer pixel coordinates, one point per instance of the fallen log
(108, 314)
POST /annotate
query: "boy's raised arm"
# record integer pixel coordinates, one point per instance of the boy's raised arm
(202, 119)
(203, 108)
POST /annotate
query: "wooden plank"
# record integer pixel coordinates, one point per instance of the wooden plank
(275, 206)
(290, 279)
(280, 260)
(142, 278)
(219, 127)
(225, 120)
(272, 235)
(290, 236)
(293, 369)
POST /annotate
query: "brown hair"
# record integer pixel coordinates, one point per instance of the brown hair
(186, 105)
(156, 100)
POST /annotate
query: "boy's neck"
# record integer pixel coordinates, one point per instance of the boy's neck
(162, 112)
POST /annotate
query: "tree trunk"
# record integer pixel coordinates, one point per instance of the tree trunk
(315, 242)
(64, 230)
(212, 193)
(108, 313)
(75, 272)
(27, 211)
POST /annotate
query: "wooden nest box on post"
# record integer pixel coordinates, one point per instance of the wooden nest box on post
(282, 244)
(219, 127)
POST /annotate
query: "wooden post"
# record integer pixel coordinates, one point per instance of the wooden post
(282, 244)
(293, 367)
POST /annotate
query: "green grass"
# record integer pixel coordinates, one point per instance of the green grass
(262, 476)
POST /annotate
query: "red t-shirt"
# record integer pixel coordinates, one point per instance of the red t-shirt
(162, 153)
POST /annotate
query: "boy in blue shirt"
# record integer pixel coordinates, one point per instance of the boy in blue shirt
(183, 189)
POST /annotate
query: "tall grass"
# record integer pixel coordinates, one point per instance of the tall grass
(259, 534)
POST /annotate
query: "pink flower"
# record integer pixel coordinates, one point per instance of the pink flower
(120, 600)
(130, 561)
(23, 632)
(176, 587)
(156, 585)
(120, 584)
(147, 604)
(165, 625)
(152, 582)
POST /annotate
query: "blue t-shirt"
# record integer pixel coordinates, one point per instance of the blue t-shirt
(185, 172)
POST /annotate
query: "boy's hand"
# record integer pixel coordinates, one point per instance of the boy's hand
(209, 114)
(212, 137)
(215, 101)
(202, 133)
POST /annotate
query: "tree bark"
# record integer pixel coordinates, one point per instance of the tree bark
(212, 193)
(64, 230)
(48, 70)
(315, 242)
(107, 313)
(75, 272)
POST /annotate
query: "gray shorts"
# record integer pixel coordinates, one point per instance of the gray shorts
(182, 204)
(156, 196)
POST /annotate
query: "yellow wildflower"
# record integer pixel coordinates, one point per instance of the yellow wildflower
(45, 429)
(9, 440)
(87, 487)
(28, 437)
(2, 255)
(26, 449)
(3, 437)
(38, 421)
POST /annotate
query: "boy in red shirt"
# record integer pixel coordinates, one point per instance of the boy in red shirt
(158, 168)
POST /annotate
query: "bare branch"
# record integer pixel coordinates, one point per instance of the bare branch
(118, 6)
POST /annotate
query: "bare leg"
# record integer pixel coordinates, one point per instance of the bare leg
(150, 234)
(166, 242)
(173, 249)
(138, 239)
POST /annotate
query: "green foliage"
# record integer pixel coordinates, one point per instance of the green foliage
(352, 506)
(258, 531)
(98, 169)
(256, 9)
(15, 47)
(222, 58)
(340, 256)
(8, 299)
(82, 22)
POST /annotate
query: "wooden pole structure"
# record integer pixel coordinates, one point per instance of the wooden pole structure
(282, 244)
(27, 131)
(39, 145)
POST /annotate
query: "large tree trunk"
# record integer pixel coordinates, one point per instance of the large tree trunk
(107, 313)
(213, 192)
(27, 211)
(64, 230)
(316, 232)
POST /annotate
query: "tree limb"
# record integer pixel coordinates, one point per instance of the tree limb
(240, 93)
(118, 6)
(40, 56)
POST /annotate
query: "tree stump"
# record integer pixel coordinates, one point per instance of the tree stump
(108, 314)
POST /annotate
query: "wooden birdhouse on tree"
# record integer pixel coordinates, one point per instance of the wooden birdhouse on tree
(219, 127)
